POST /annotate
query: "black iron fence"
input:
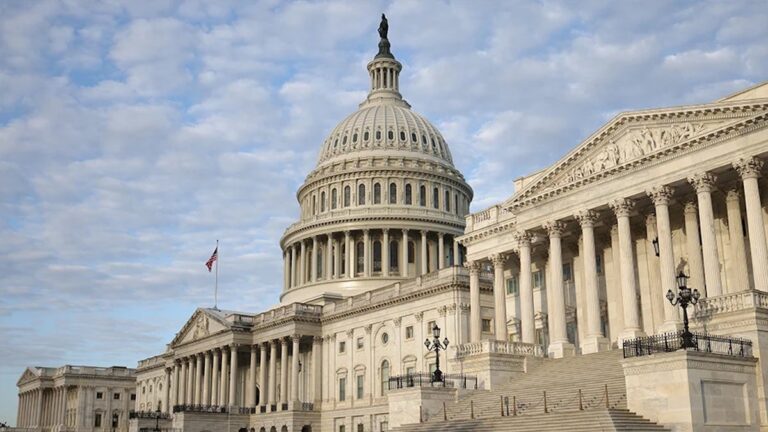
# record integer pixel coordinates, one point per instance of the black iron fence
(425, 380)
(148, 415)
(673, 341)
(213, 409)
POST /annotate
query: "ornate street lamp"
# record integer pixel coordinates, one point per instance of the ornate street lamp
(435, 345)
(684, 297)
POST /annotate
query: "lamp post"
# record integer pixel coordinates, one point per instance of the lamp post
(157, 418)
(435, 345)
(685, 296)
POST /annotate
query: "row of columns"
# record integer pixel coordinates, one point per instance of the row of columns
(42, 407)
(297, 257)
(197, 380)
(703, 261)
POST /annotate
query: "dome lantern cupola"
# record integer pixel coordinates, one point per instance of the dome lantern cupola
(384, 71)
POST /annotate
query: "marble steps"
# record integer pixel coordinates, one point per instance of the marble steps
(590, 420)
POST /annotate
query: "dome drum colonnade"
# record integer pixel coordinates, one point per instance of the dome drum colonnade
(385, 198)
(703, 252)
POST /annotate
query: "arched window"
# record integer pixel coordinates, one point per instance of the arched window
(394, 262)
(319, 260)
(435, 198)
(333, 198)
(361, 194)
(384, 377)
(447, 201)
(423, 196)
(402, 135)
(378, 135)
(376, 193)
(377, 256)
(408, 194)
(391, 135)
(360, 257)
(392, 193)
(366, 136)
(314, 204)
(322, 201)
(456, 203)
(347, 194)
(413, 137)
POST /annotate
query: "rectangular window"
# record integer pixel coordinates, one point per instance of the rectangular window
(116, 396)
(384, 426)
(342, 389)
(409, 332)
(360, 379)
(97, 420)
(360, 427)
(341, 428)
(133, 396)
(99, 395)
(567, 272)
(538, 279)
(360, 343)
(512, 286)
(430, 326)
(342, 347)
(486, 325)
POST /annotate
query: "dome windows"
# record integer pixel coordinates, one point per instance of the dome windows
(413, 137)
(408, 194)
(347, 196)
(424, 140)
(344, 140)
(390, 135)
(354, 138)
(392, 193)
(378, 135)
(336, 143)
(361, 194)
(377, 193)
(402, 135)
(334, 198)
(366, 136)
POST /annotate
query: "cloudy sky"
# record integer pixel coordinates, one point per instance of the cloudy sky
(134, 134)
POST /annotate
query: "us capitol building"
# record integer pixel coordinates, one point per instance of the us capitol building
(553, 301)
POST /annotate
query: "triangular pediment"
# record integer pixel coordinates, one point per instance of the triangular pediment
(634, 139)
(28, 375)
(201, 324)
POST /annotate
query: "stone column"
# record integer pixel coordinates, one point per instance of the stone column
(348, 254)
(499, 297)
(424, 263)
(594, 340)
(272, 371)
(39, 412)
(749, 170)
(328, 258)
(295, 369)
(456, 260)
(233, 376)
(182, 383)
(559, 346)
(302, 264)
(283, 371)
(207, 379)
(215, 379)
(351, 264)
(337, 259)
(404, 255)
(223, 401)
(263, 373)
(527, 323)
(313, 262)
(704, 184)
(661, 195)
(693, 246)
(286, 271)
(293, 266)
(167, 388)
(317, 347)
(385, 252)
(475, 319)
(740, 278)
(199, 379)
(440, 251)
(622, 208)
(251, 393)
(367, 261)
(191, 381)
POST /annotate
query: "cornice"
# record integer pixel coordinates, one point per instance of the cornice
(476, 236)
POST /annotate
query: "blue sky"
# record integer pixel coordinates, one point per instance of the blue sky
(134, 134)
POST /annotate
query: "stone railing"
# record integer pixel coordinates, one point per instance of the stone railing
(291, 310)
(731, 302)
(499, 347)
(375, 211)
(487, 217)
(114, 371)
(152, 361)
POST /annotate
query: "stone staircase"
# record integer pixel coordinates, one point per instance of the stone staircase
(586, 391)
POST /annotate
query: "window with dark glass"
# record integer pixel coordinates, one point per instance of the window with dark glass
(376, 193)
(360, 381)
(394, 255)
(435, 198)
(322, 201)
(391, 135)
(342, 391)
(447, 201)
(392, 193)
(384, 377)
(423, 196)
(377, 256)
(333, 199)
(361, 194)
(408, 194)
(360, 258)
(347, 196)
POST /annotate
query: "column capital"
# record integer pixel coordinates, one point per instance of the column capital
(690, 207)
(622, 207)
(254, 347)
(523, 238)
(423, 233)
(283, 341)
(703, 182)
(368, 329)
(397, 321)
(314, 240)
(419, 316)
(385, 230)
(347, 233)
(295, 338)
(587, 218)
(317, 339)
(554, 228)
(330, 236)
(650, 219)
(749, 167)
(660, 195)
(472, 266)
(366, 231)
(733, 193)
(498, 259)
(233, 346)
(440, 234)
(405, 231)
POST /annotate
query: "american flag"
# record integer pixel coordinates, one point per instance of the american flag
(212, 259)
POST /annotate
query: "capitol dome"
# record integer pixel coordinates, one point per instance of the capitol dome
(384, 203)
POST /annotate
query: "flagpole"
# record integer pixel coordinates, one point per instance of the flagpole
(216, 288)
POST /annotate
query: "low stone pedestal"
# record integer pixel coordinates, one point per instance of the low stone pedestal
(417, 404)
(494, 363)
(694, 391)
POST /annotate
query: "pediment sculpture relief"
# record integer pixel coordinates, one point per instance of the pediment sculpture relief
(634, 145)
(201, 327)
